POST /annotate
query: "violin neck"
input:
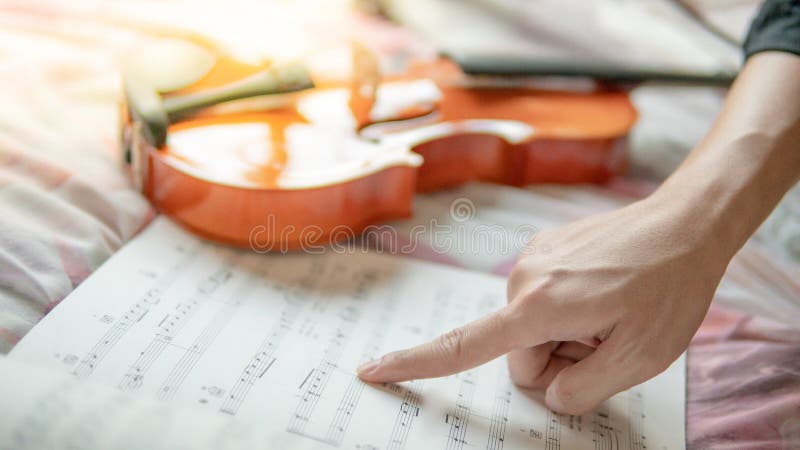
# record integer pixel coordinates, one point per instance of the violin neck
(514, 66)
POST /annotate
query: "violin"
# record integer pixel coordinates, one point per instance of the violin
(315, 165)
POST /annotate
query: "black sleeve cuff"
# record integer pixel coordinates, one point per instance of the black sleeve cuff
(776, 27)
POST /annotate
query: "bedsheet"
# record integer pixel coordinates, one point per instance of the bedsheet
(66, 204)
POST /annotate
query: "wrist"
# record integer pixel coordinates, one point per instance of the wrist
(725, 190)
(747, 162)
(695, 208)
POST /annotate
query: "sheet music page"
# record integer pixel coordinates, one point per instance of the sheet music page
(42, 409)
(273, 340)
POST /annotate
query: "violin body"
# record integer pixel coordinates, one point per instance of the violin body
(524, 136)
(250, 209)
(317, 169)
(277, 219)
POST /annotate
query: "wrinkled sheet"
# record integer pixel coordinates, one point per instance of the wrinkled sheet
(66, 204)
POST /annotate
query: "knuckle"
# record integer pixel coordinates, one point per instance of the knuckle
(524, 279)
(527, 380)
(451, 343)
(564, 392)
(554, 277)
(535, 293)
(576, 406)
(568, 398)
(545, 284)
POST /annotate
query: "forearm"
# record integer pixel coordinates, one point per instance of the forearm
(751, 157)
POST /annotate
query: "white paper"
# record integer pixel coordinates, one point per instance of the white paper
(271, 342)
(46, 410)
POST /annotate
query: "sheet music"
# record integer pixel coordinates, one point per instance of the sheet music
(272, 342)
(43, 409)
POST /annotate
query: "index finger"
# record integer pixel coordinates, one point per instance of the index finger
(460, 349)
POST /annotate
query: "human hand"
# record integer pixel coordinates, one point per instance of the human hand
(595, 307)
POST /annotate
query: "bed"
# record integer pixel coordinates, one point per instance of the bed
(66, 203)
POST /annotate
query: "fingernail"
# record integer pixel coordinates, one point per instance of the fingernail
(368, 367)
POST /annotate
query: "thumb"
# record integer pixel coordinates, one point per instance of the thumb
(455, 351)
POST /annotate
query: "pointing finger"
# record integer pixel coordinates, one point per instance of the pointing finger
(455, 351)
